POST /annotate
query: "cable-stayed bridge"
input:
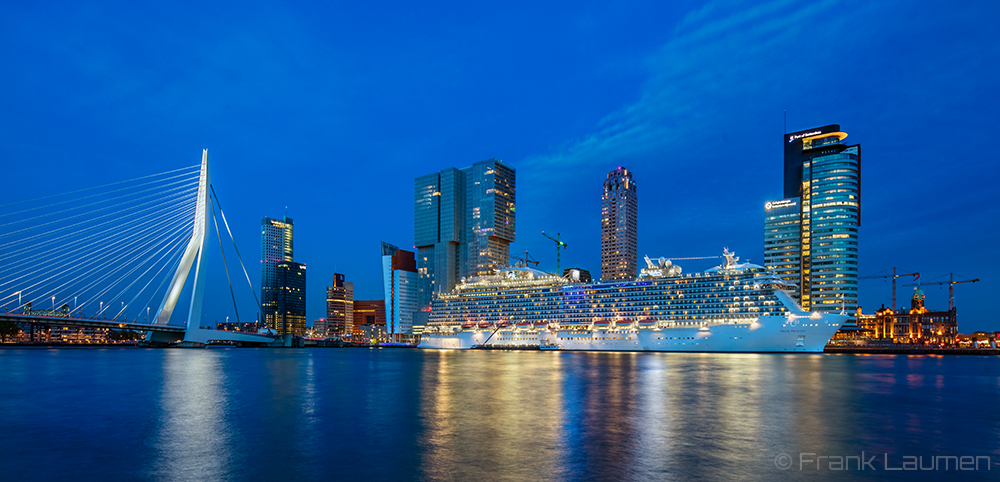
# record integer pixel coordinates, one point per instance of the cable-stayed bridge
(124, 255)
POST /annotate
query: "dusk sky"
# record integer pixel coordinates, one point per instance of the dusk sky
(332, 110)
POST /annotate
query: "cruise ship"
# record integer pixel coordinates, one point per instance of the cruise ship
(735, 307)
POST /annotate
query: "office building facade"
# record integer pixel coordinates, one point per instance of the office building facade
(340, 306)
(822, 186)
(619, 226)
(282, 281)
(368, 313)
(290, 310)
(399, 284)
(464, 222)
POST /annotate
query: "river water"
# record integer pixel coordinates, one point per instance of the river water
(406, 414)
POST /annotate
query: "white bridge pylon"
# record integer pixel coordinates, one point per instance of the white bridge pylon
(193, 255)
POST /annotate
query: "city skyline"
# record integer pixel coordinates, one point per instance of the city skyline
(694, 123)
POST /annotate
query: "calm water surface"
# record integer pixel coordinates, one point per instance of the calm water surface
(400, 414)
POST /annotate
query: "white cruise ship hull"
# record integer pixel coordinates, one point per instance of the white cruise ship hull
(768, 334)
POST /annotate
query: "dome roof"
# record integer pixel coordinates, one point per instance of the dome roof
(918, 293)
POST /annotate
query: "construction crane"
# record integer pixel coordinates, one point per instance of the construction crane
(526, 259)
(951, 287)
(559, 245)
(894, 275)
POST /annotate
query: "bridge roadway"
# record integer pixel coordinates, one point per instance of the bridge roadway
(204, 334)
(87, 322)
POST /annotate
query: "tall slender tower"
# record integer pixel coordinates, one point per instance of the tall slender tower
(811, 236)
(619, 229)
(276, 254)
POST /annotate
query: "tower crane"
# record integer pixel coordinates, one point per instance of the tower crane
(951, 287)
(559, 245)
(894, 275)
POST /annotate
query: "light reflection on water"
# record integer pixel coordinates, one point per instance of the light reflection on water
(356, 414)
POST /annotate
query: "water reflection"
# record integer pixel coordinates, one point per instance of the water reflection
(192, 436)
(359, 414)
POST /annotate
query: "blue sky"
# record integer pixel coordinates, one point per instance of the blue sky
(333, 110)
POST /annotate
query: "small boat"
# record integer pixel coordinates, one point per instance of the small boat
(548, 346)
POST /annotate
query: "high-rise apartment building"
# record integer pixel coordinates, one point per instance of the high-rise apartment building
(340, 306)
(619, 228)
(463, 224)
(811, 236)
(278, 298)
(399, 283)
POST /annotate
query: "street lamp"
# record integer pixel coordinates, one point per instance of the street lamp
(53, 303)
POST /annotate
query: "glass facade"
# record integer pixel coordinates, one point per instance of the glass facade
(783, 239)
(276, 246)
(464, 222)
(824, 175)
(290, 302)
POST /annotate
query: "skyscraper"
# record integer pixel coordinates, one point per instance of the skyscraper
(463, 224)
(811, 236)
(277, 268)
(290, 303)
(340, 306)
(619, 228)
(399, 284)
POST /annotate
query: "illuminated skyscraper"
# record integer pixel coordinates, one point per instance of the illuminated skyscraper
(619, 226)
(463, 224)
(811, 236)
(340, 306)
(276, 264)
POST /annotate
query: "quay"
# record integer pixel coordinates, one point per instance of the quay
(909, 349)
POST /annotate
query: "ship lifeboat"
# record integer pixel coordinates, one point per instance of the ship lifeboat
(504, 324)
(648, 323)
(468, 325)
(524, 325)
(602, 325)
(541, 325)
(625, 325)
(485, 324)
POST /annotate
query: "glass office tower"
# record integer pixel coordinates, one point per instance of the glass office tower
(276, 247)
(464, 222)
(822, 175)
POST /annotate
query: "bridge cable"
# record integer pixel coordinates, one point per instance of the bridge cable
(157, 211)
(154, 195)
(72, 263)
(95, 187)
(259, 306)
(121, 265)
(224, 264)
(155, 188)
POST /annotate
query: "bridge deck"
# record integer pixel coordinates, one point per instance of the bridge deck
(87, 322)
